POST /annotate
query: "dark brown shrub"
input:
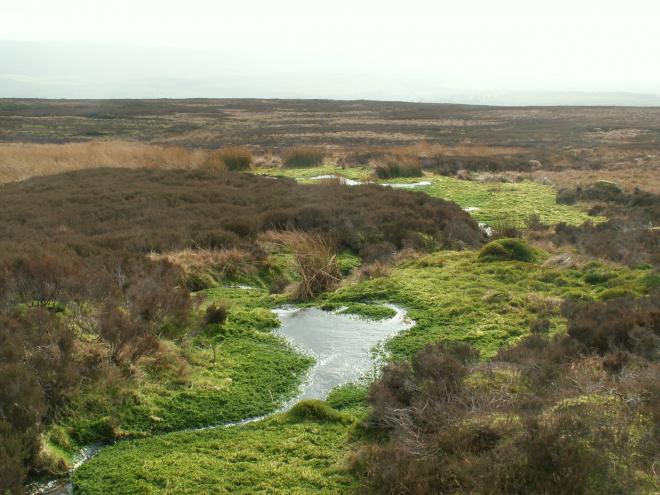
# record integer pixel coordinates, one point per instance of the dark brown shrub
(216, 314)
(617, 324)
(541, 325)
(614, 362)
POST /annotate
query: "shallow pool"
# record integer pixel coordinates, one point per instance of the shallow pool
(341, 344)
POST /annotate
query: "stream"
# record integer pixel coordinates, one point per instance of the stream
(342, 345)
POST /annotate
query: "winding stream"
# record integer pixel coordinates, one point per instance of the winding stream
(343, 346)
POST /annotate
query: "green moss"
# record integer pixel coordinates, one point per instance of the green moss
(306, 174)
(255, 372)
(616, 293)
(494, 201)
(508, 249)
(349, 396)
(316, 410)
(280, 455)
(485, 304)
(515, 201)
(369, 311)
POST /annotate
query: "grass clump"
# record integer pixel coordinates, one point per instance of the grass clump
(348, 397)
(368, 311)
(235, 159)
(315, 261)
(316, 410)
(302, 157)
(393, 166)
(507, 249)
(277, 456)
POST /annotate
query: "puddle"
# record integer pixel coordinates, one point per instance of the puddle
(342, 180)
(351, 182)
(341, 344)
(488, 231)
(410, 185)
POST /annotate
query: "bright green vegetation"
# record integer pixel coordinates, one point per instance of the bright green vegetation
(457, 296)
(508, 249)
(493, 200)
(451, 295)
(368, 311)
(351, 397)
(283, 454)
(498, 200)
(306, 174)
(489, 299)
(254, 373)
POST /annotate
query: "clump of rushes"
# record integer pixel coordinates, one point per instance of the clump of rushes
(235, 159)
(392, 166)
(315, 260)
(302, 156)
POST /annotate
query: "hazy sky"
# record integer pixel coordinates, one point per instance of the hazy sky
(406, 49)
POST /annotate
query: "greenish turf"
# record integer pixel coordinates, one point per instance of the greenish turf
(457, 296)
(451, 295)
(305, 174)
(494, 200)
(279, 455)
(255, 372)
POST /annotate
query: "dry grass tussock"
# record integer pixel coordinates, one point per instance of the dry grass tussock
(227, 262)
(20, 161)
(315, 260)
(302, 156)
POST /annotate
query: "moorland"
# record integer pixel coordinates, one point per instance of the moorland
(145, 243)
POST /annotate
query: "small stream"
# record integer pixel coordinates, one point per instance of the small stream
(344, 349)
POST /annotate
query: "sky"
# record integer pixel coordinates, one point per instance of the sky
(470, 50)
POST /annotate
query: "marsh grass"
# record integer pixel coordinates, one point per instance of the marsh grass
(516, 201)
(277, 456)
(393, 166)
(21, 160)
(315, 261)
(302, 157)
(236, 159)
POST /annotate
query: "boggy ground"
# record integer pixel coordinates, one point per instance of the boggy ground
(107, 276)
(104, 330)
(571, 144)
(452, 296)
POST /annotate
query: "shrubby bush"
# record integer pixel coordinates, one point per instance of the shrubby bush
(574, 413)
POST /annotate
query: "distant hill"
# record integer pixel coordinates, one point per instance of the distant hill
(76, 70)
